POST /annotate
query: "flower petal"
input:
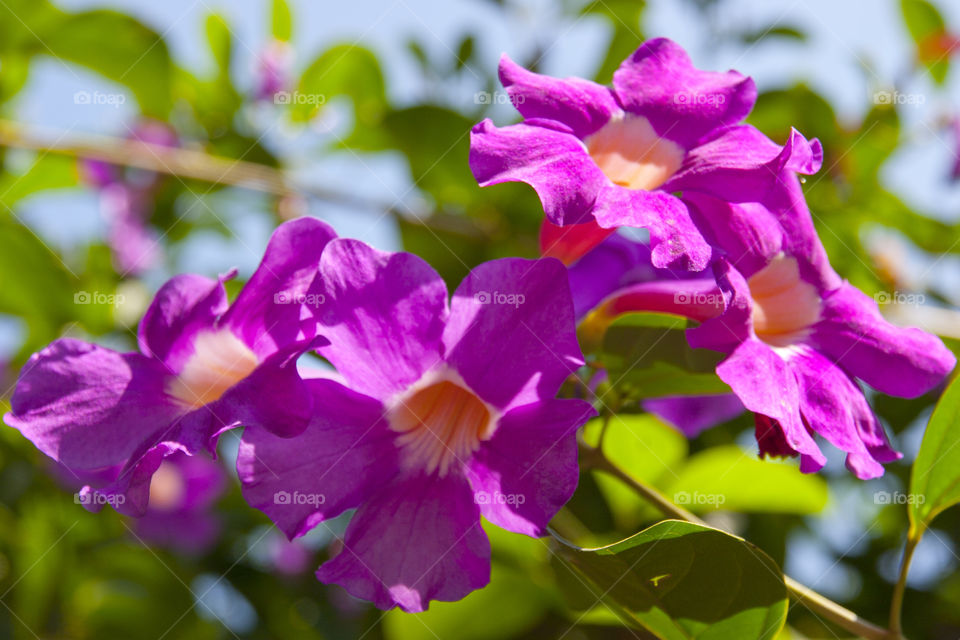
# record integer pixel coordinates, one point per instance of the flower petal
(675, 241)
(834, 406)
(511, 333)
(582, 105)
(88, 407)
(904, 362)
(267, 312)
(384, 314)
(731, 328)
(615, 263)
(695, 414)
(129, 490)
(528, 469)
(184, 305)
(545, 155)
(766, 384)
(346, 454)
(273, 397)
(741, 164)
(417, 542)
(683, 103)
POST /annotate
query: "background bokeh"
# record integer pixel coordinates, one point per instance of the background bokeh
(376, 144)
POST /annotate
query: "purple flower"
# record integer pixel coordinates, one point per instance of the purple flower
(797, 335)
(126, 201)
(179, 514)
(448, 412)
(273, 70)
(617, 156)
(203, 366)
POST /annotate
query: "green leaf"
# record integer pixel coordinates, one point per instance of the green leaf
(682, 581)
(648, 356)
(220, 41)
(922, 19)
(344, 70)
(45, 172)
(119, 48)
(624, 18)
(465, 52)
(518, 603)
(935, 479)
(436, 142)
(646, 448)
(785, 31)
(281, 20)
(927, 27)
(729, 478)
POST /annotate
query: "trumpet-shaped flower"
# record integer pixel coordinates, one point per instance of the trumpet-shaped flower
(797, 335)
(630, 155)
(203, 366)
(446, 412)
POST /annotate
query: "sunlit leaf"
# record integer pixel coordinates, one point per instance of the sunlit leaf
(732, 479)
(935, 479)
(682, 581)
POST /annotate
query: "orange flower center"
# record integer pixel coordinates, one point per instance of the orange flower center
(632, 155)
(219, 361)
(167, 487)
(441, 422)
(784, 306)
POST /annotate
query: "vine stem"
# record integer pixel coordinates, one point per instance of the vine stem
(199, 165)
(594, 458)
(896, 603)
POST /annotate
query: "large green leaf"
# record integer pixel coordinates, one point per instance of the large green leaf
(729, 478)
(119, 48)
(935, 479)
(682, 581)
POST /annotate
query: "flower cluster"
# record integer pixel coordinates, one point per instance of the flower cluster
(797, 336)
(444, 409)
(439, 405)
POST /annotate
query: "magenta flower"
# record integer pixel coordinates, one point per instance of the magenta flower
(797, 335)
(617, 156)
(447, 413)
(203, 366)
(273, 70)
(126, 201)
(180, 512)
